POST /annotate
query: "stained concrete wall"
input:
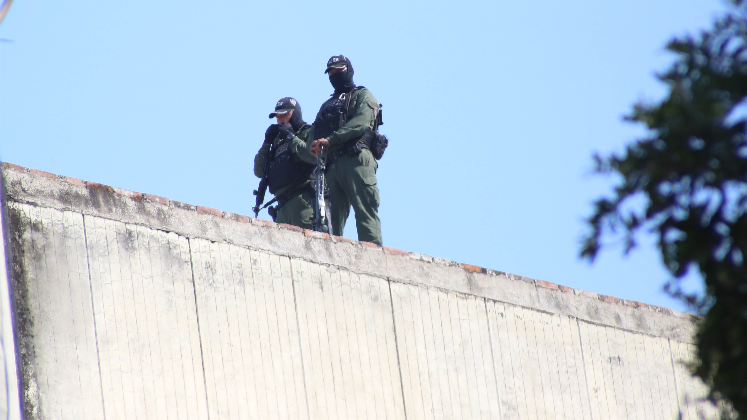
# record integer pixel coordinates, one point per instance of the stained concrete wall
(133, 306)
(10, 401)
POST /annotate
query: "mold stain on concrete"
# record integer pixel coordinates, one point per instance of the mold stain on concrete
(24, 319)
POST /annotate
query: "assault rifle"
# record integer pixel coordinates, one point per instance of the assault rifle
(262, 188)
(321, 218)
(260, 193)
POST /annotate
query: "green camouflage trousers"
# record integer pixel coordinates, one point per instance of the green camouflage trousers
(298, 210)
(352, 182)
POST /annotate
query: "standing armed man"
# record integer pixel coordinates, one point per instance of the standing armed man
(337, 131)
(287, 167)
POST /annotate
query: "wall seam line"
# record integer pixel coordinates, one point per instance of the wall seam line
(67, 285)
(586, 374)
(492, 356)
(277, 327)
(181, 350)
(197, 315)
(93, 314)
(42, 229)
(396, 346)
(36, 408)
(327, 327)
(298, 328)
(674, 374)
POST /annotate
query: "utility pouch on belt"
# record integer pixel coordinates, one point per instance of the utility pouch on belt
(373, 141)
(376, 141)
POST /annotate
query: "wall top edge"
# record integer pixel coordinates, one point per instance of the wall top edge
(45, 189)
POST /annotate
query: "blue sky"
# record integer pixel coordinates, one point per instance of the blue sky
(493, 110)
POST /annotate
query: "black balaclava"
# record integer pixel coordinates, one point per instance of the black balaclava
(343, 81)
(296, 120)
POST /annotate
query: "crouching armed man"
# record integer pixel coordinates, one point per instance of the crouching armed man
(287, 168)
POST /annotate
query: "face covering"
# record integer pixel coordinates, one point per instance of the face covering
(342, 81)
(296, 120)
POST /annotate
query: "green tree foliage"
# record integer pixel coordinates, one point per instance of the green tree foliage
(691, 174)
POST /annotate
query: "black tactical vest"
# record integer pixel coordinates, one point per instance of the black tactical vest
(333, 114)
(286, 169)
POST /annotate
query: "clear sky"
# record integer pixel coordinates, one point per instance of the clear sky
(493, 110)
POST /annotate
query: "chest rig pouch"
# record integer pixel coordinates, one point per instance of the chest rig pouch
(333, 115)
(285, 169)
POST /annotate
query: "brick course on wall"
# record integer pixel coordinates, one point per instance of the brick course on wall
(160, 309)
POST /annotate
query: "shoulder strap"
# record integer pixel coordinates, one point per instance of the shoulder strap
(349, 98)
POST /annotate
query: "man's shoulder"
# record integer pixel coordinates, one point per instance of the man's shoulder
(362, 95)
(362, 90)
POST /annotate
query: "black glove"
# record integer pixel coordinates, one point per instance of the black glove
(271, 133)
(286, 131)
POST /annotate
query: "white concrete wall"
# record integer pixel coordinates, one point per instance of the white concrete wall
(10, 404)
(137, 307)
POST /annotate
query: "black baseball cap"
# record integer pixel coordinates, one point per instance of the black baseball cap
(337, 62)
(284, 106)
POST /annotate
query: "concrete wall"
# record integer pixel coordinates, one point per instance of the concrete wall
(10, 404)
(133, 306)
